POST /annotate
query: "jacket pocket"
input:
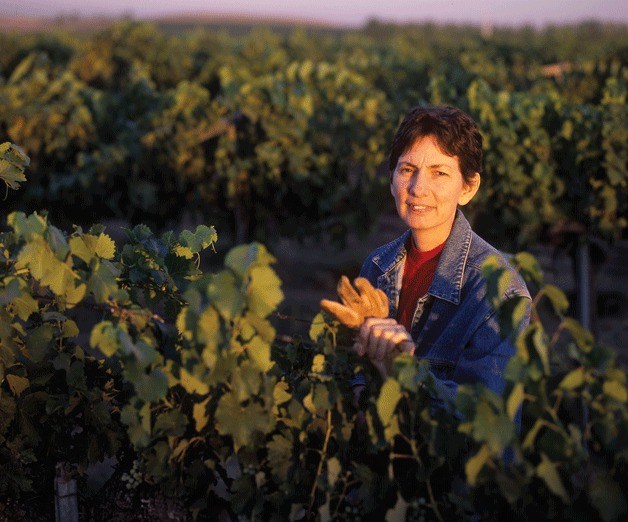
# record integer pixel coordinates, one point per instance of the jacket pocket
(441, 368)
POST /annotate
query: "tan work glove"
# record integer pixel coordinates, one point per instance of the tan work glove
(360, 303)
(357, 303)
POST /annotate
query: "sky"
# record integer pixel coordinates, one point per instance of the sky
(343, 12)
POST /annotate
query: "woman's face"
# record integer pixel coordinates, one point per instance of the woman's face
(428, 186)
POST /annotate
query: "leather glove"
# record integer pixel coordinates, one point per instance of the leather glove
(356, 303)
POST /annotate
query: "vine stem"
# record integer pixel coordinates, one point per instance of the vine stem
(347, 484)
(433, 503)
(320, 464)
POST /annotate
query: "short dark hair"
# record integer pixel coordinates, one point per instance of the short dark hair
(455, 133)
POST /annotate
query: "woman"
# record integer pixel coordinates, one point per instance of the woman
(432, 273)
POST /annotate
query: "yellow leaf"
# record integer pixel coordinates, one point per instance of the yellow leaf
(515, 400)
(70, 329)
(333, 470)
(200, 414)
(574, 379)
(531, 436)
(318, 363)
(101, 245)
(74, 294)
(280, 393)
(17, 384)
(615, 390)
(179, 451)
(308, 402)
(259, 352)
(193, 384)
(475, 464)
(389, 396)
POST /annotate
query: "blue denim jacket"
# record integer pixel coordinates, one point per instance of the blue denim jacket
(454, 326)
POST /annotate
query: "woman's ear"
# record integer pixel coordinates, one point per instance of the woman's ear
(470, 189)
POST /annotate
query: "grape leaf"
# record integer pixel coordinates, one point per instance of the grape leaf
(389, 396)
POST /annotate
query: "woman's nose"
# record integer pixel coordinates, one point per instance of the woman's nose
(418, 184)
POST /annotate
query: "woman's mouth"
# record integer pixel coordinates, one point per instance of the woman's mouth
(419, 208)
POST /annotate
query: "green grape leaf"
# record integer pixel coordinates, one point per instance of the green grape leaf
(279, 447)
(80, 249)
(172, 423)
(493, 428)
(241, 422)
(60, 277)
(192, 383)
(259, 352)
(546, 470)
(24, 305)
(541, 346)
(10, 290)
(151, 387)
(13, 163)
(102, 283)
(28, 228)
(104, 336)
(262, 326)
(38, 342)
(7, 412)
(241, 258)
(58, 243)
(582, 336)
(197, 241)
(607, 497)
(35, 256)
(529, 267)
(264, 292)
(224, 294)
(557, 297)
(320, 397)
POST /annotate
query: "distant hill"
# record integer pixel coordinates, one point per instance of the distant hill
(171, 23)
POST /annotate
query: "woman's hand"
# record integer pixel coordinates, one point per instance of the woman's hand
(381, 340)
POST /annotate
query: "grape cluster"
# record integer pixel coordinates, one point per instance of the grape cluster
(249, 469)
(134, 477)
(418, 511)
(352, 513)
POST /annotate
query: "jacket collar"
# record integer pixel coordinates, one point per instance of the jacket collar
(392, 253)
(447, 282)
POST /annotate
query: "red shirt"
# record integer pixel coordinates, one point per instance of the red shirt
(418, 273)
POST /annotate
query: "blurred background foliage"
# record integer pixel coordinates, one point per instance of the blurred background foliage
(274, 133)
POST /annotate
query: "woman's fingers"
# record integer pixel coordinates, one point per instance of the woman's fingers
(380, 338)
